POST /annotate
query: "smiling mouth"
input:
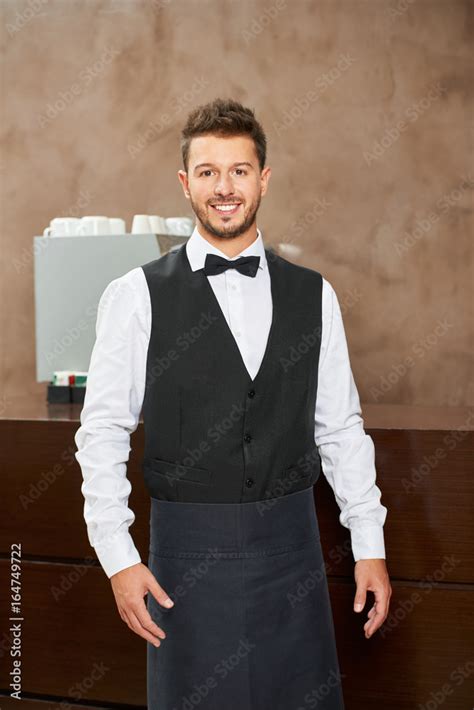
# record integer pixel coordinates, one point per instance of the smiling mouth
(227, 209)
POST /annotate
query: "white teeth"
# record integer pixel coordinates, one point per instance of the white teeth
(225, 208)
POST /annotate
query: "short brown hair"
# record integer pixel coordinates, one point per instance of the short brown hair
(223, 117)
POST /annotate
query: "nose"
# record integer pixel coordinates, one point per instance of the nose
(224, 186)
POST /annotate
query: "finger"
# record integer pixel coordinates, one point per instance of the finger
(159, 593)
(374, 617)
(122, 615)
(128, 618)
(144, 617)
(136, 626)
(360, 598)
(375, 622)
(371, 612)
(382, 597)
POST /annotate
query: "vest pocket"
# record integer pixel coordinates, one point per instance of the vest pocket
(170, 480)
(304, 473)
(296, 479)
(296, 473)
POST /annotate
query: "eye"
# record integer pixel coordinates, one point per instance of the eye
(240, 170)
(204, 171)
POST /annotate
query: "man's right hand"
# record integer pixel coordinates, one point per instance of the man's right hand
(129, 587)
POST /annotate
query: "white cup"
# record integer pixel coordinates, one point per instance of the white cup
(116, 225)
(141, 224)
(62, 227)
(181, 226)
(158, 224)
(94, 225)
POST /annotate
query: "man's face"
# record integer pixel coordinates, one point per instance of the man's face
(224, 183)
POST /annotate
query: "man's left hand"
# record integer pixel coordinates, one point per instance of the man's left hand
(371, 575)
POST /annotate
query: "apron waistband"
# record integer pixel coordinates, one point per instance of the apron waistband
(263, 527)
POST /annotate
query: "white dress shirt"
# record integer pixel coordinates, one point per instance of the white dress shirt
(116, 386)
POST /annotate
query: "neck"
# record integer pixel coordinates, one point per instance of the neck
(230, 246)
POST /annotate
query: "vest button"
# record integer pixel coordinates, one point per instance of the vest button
(247, 438)
(251, 393)
(249, 482)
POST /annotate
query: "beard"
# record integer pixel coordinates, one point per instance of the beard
(233, 228)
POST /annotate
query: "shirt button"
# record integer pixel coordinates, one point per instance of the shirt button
(249, 482)
(251, 393)
(247, 438)
(237, 333)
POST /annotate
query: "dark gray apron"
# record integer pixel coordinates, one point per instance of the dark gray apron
(252, 626)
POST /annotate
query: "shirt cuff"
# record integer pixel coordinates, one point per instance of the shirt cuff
(368, 542)
(116, 553)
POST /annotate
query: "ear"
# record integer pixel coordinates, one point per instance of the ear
(183, 178)
(264, 178)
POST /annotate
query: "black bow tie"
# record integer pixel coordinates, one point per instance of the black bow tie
(216, 264)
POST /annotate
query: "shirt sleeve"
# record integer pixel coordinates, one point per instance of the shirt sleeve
(111, 411)
(347, 452)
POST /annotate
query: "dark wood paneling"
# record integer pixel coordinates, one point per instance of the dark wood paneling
(74, 643)
(428, 488)
(65, 638)
(7, 703)
(42, 490)
(422, 652)
(422, 475)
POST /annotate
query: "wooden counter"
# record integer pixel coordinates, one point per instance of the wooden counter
(75, 646)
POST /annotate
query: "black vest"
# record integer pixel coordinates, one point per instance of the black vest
(212, 434)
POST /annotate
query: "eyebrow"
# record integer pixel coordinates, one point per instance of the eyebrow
(203, 165)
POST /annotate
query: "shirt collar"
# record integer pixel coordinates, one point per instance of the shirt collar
(197, 247)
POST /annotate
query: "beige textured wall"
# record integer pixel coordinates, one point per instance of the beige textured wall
(366, 104)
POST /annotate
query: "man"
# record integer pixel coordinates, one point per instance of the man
(239, 361)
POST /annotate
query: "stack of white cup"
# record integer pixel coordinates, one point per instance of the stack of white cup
(88, 226)
(92, 225)
(152, 224)
(149, 224)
